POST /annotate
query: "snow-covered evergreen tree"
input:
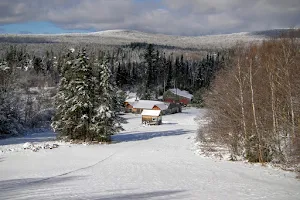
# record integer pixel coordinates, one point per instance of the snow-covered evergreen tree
(84, 102)
(119, 98)
(74, 101)
(62, 98)
(106, 122)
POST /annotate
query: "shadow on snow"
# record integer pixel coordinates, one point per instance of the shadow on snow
(18, 188)
(64, 188)
(127, 137)
(144, 195)
(36, 137)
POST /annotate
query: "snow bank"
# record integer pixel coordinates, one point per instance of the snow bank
(31, 142)
(37, 147)
(28, 146)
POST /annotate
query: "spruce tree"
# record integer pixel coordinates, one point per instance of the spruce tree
(150, 58)
(119, 76)
(74, 100)
(62, 100)
(84, 102)
(105, 122)
(170, 74)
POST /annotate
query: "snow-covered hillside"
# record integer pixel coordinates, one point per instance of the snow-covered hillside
(122, 37)
(145, 162)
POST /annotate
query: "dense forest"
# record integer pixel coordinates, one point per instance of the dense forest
(31, 77)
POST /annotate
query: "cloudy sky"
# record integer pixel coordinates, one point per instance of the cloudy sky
(176, 17)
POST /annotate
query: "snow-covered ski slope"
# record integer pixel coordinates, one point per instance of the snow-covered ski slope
(146, 162)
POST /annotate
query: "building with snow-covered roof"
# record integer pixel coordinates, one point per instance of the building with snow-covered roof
(152, 117)
(178, 96)
(138, 106)
(161, 106)
(146, 104)
(131, 101)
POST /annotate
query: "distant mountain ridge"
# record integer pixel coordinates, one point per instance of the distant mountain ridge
(278, 32)
(123, 37)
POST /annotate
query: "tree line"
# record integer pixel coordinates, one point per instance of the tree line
(30, 81)
(158, 72)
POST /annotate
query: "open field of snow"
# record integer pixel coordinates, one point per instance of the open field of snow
(144, 162)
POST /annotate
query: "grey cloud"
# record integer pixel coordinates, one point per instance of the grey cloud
(16, 11)
(179, 17)
(221, 16)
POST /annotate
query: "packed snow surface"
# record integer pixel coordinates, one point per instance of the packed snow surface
(152, 162)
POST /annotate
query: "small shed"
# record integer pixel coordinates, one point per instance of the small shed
(152, 117)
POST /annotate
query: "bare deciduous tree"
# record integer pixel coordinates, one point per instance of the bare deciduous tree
(255, 102)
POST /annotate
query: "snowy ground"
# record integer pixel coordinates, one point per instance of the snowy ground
(157, 162)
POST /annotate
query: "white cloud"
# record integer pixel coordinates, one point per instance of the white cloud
(184, 17)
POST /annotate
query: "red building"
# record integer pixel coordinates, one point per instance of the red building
(178, 96)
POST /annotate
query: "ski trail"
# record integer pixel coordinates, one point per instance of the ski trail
(84, 168)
